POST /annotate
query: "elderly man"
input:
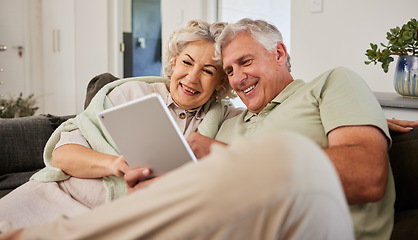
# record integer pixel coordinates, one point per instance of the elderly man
(336, 110)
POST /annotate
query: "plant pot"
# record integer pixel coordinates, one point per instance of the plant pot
(406, 76)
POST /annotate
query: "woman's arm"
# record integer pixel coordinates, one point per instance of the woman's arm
(402, 126)
(80, 161)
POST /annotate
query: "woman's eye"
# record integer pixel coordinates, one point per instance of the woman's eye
(208, 71)
(187, 62)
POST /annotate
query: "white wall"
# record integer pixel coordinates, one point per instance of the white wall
(176, 13)
(276, 12)
(341, 34)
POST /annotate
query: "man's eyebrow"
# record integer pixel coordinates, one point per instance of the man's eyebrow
(238, 61)
(241, 59)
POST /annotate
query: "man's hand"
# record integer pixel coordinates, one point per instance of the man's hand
(200, 144)
(402, 126)
(133, 179)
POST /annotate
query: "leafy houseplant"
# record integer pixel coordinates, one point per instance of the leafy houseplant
(19, 107)
(402, 41)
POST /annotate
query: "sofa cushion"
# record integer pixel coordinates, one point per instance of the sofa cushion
(14, 180)
(405, 226)
(404, 162)
(22, 142)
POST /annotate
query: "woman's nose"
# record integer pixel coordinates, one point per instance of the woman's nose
(194, 75)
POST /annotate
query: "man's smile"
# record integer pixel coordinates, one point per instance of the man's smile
(249, 89)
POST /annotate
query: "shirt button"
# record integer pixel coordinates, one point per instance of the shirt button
(182, 115)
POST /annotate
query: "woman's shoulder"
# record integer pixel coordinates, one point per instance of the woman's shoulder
(135, 89)
(142, 85)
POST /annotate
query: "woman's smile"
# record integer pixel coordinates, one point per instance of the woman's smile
(196, 76)
(188, 90)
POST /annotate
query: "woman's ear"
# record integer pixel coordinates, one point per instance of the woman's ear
(221, 83)
(173, 61)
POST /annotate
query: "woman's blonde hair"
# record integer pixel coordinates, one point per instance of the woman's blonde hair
(194, 31)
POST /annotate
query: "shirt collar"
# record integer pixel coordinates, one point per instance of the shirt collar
(281, 97)
(197, 112)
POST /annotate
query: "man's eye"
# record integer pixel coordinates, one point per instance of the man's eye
(247, 62)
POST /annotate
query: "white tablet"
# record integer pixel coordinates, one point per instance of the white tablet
(147, 135)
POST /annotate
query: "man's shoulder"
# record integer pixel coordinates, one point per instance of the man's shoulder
(339, 78)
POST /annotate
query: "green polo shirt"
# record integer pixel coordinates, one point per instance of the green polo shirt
(336, 98)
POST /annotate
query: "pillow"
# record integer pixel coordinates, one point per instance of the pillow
(96, 84)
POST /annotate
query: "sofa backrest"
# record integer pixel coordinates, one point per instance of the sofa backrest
(404, 162)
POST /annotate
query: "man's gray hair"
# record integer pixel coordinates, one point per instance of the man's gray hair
(263, 32)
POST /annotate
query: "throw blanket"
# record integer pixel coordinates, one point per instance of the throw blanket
(99, 139)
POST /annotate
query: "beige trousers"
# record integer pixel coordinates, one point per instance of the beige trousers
(279, 187)
(40, 202)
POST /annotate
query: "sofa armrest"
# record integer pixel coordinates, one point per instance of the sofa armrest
(23, 140)
(21, 147)
(404, 162)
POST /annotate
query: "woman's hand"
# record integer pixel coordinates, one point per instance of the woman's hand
(119, 167)
(135, 179)
(402, 126)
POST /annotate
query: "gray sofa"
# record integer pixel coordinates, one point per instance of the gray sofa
(22, 141)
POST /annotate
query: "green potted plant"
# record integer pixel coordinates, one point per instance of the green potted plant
(403, 42)
(19, 107)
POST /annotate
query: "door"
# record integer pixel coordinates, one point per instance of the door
(59, 56)
(13, 56)
(146, 44)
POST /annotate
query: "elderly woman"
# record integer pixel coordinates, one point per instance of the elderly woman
(83, 168)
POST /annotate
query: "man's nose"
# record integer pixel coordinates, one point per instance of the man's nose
(238, 77)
